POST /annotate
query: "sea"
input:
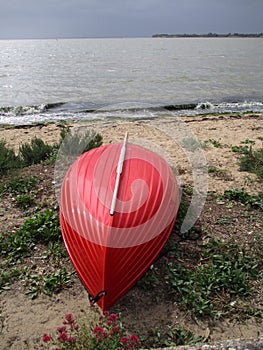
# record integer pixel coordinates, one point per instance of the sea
(85, 79)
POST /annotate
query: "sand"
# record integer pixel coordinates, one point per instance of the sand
(163, 135)
(23, 320)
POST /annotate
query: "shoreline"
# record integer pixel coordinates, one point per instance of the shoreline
(215, 133)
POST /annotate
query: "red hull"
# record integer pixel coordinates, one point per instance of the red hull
(111, 252)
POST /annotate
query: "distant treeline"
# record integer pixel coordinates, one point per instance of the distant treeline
(209, 35)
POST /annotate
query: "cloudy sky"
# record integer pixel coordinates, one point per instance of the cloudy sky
(126, 18)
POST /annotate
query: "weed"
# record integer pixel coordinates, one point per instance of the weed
(216, 143)
(8, 276)
(41, 229)
(24, 201)
(250, 160)
(224, 271)
(77, 143)
(19, 186)
(35, 152)
(241, 196)
(48, 283)
(225, 220)
(23, 189)
(214, 169)
(175, 336)
(8, 159)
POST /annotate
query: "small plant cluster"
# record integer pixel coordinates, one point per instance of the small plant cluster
(38, 151)
(107, 334)
(34, 152)
(40, 233)
(250, 160)
(42, 229)
(212, 285)
(23, 190)
(175, 336)
(241, 196)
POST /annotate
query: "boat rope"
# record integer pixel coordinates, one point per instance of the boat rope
(97, 297)
(119, 171)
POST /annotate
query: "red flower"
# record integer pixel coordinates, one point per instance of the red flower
(71, 339)
(113, 318)
(98, 330)
(63, 337)
(124, 340)
(74, 326)
(61, 329)
(46, 338)
(115, 330)
(134, 339)
(69, 318)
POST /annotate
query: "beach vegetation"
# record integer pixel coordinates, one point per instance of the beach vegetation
(74, 144)
(174, 336)
(216, 277)
(35, 152)
(241, 196)
(38, 233)
(8, 159)
(47, 283)
(22, 190)
(250, 160)
(43, 228)
(223, 273)
(216, 143)
(107, 332)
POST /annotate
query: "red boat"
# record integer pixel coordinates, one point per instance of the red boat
(118, 206)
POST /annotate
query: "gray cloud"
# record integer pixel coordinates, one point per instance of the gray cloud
(92, 18)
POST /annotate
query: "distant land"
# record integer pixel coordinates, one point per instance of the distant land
(209, 35)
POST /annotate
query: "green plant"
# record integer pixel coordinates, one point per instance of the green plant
(19, 186)
(107, 334)
(216, 143)
(241, 196)
(35, 152)
(8, 159)
(250, 160)
(175, 336)
(48, 283)
(24, 201)
(8, 276)
(79, 142)
(225, 271)
(43, 228)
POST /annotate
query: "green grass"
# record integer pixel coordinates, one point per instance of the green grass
(35, 152)
(43, 228)
(174, 336)
(241, 196)
(250, 160)
(23, 190)
(38, 151)
(206, 288)
(8, 159)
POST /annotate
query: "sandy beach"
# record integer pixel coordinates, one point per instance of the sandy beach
(23, 320)
(216, 134)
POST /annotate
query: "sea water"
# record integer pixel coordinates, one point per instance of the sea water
(76, 79)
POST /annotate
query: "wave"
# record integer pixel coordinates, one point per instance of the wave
(70, 111)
